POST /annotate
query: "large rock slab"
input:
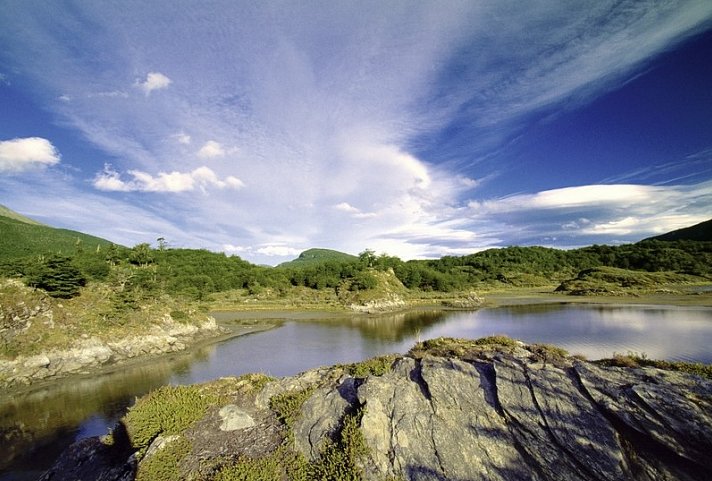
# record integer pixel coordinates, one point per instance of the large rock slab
(497, 414)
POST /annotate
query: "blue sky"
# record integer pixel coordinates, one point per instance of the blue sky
(419, 129)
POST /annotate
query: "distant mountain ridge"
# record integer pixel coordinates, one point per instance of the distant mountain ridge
(697, 232)
(316, 256)
(21, 236)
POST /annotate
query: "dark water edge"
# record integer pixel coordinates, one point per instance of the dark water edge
(35, 426)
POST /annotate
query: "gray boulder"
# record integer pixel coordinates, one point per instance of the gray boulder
(461, 413)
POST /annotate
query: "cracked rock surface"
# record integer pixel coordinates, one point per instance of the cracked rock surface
(495, 413)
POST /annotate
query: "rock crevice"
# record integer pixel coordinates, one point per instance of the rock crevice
(498, 413)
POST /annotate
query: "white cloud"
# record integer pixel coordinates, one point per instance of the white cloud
(468, 182)
(346, 207)
(578, 197)
(108, 94)
(154, 81)
(586, 214)
(234, 249)
(353, 211)
(211, 149)
(183, 138)
(327, 125)
(278, 251)
(202, 177)
(17, 155)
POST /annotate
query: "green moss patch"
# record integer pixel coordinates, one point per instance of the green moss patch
(636, 361)
(615, 281)
(460, 348)
(168, 410)
(377, 366)
(164, 465)
(287, 405)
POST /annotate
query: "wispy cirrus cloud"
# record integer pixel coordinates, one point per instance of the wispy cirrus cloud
(358, 125)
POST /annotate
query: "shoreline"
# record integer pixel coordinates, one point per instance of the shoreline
(526, 296)
(242, 320)
(222, 332)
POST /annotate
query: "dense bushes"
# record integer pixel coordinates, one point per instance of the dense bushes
(142, 272)
(57, 275)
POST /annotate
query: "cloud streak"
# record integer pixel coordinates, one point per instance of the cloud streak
(359, 125)
(200, 178)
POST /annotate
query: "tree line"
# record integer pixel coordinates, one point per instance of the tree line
(144, 271)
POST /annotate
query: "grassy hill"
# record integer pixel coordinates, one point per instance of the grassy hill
(21, 237)
(5, 212)
(697, 232)
(317, 256)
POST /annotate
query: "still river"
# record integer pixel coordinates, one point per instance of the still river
(36, 426)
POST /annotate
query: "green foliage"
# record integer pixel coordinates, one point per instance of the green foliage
(496, 341)
(287, 405)
(338, 461)
(548, 351)
(460, 348)
(612, 280)
(367, 258)
(632, 360)
(195, 274)
(164, 465)
(377, 366)
(5, 212)
(318, 256)
(168, 410)
(20, 239)
(697, 232)
(363, 281)
(177, 315)
(247, 469)
(141, 255)
(58, 276)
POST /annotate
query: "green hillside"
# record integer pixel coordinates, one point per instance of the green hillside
(20, 238)
(317, 256)
(5, 212)
(697, 232)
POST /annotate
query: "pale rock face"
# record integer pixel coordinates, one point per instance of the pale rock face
(233, 418)
(495, 414)
(90, 353)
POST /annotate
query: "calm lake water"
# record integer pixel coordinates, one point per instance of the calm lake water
(36, 426)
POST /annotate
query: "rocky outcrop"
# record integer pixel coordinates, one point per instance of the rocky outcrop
(464, 410)
(390, 302)
(91, 353)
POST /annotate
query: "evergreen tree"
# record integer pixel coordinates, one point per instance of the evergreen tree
(58, 276)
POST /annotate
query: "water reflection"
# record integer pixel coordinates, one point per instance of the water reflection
(674, 333)
(37, 425)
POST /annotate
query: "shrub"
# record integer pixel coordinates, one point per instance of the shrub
(632, 360)
(58, 276)
(376, 366)
(164, 465)
(247, 469)
(288, 404)
(168, 410)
